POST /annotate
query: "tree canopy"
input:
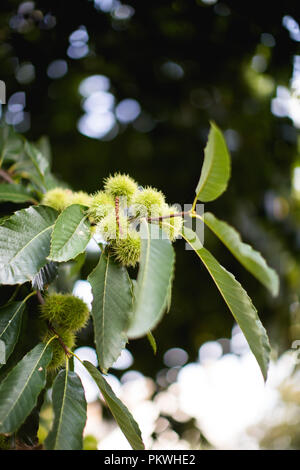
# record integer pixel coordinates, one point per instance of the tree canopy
(163, 70)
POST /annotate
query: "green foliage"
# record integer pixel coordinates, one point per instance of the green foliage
(112, 302)
(20, 388)
(15, 193)
(71, 234)
(10, 143)
(152, 341)
(68, 400)
(49, 239)
(216, 167)
(23, 252)
(151, 291)
(247, 256)
(238, 302)
(10, 325)
(121, 414)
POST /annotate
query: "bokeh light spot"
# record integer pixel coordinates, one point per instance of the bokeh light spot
(78, 51)
(25, 73)
(83, 290)
(93, 84)
(124, 361)
(210, 351)
(123, 12)
(86, 353)
(172, 70)
(96, 125)
(127, 110)
(175, 357)
(99, 102)
(57, 69)
(17, 102)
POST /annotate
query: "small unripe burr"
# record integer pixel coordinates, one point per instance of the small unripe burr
(120, 185)
(100, 206)
(82, 198)
(127, 249)
(57, 198)
(58, 350)
(109, 227)
(148, 202)
(65, 311)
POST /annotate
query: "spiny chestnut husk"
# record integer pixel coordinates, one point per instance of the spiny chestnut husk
(101, 204)
(58, 198)
(109, 227)
(148, 202)
(58, 351)
(66, 311)
(127, 250)
(81, 197)
(120, 185)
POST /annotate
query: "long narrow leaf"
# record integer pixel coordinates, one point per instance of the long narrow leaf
(11, 144)
(123, 417)
(14, 193)
(215, 171)
(251, 259)
(39, 161)
(152, 290)
(2, 352)
(237, 301)
(20, 388)
(111, 307)
(69, 406)
(10, 324)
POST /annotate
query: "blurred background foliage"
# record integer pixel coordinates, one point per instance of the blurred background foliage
(131, 87)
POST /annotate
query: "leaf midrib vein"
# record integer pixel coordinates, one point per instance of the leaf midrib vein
(30, 241)
(11, 319)
(25, 385)
(61, 410)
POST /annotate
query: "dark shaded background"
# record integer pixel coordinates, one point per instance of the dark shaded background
(213, 45)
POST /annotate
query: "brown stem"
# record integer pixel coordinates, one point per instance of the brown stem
(117, 214)
(169, 216)
(67, 352)
(6, 176)
(40, 297)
